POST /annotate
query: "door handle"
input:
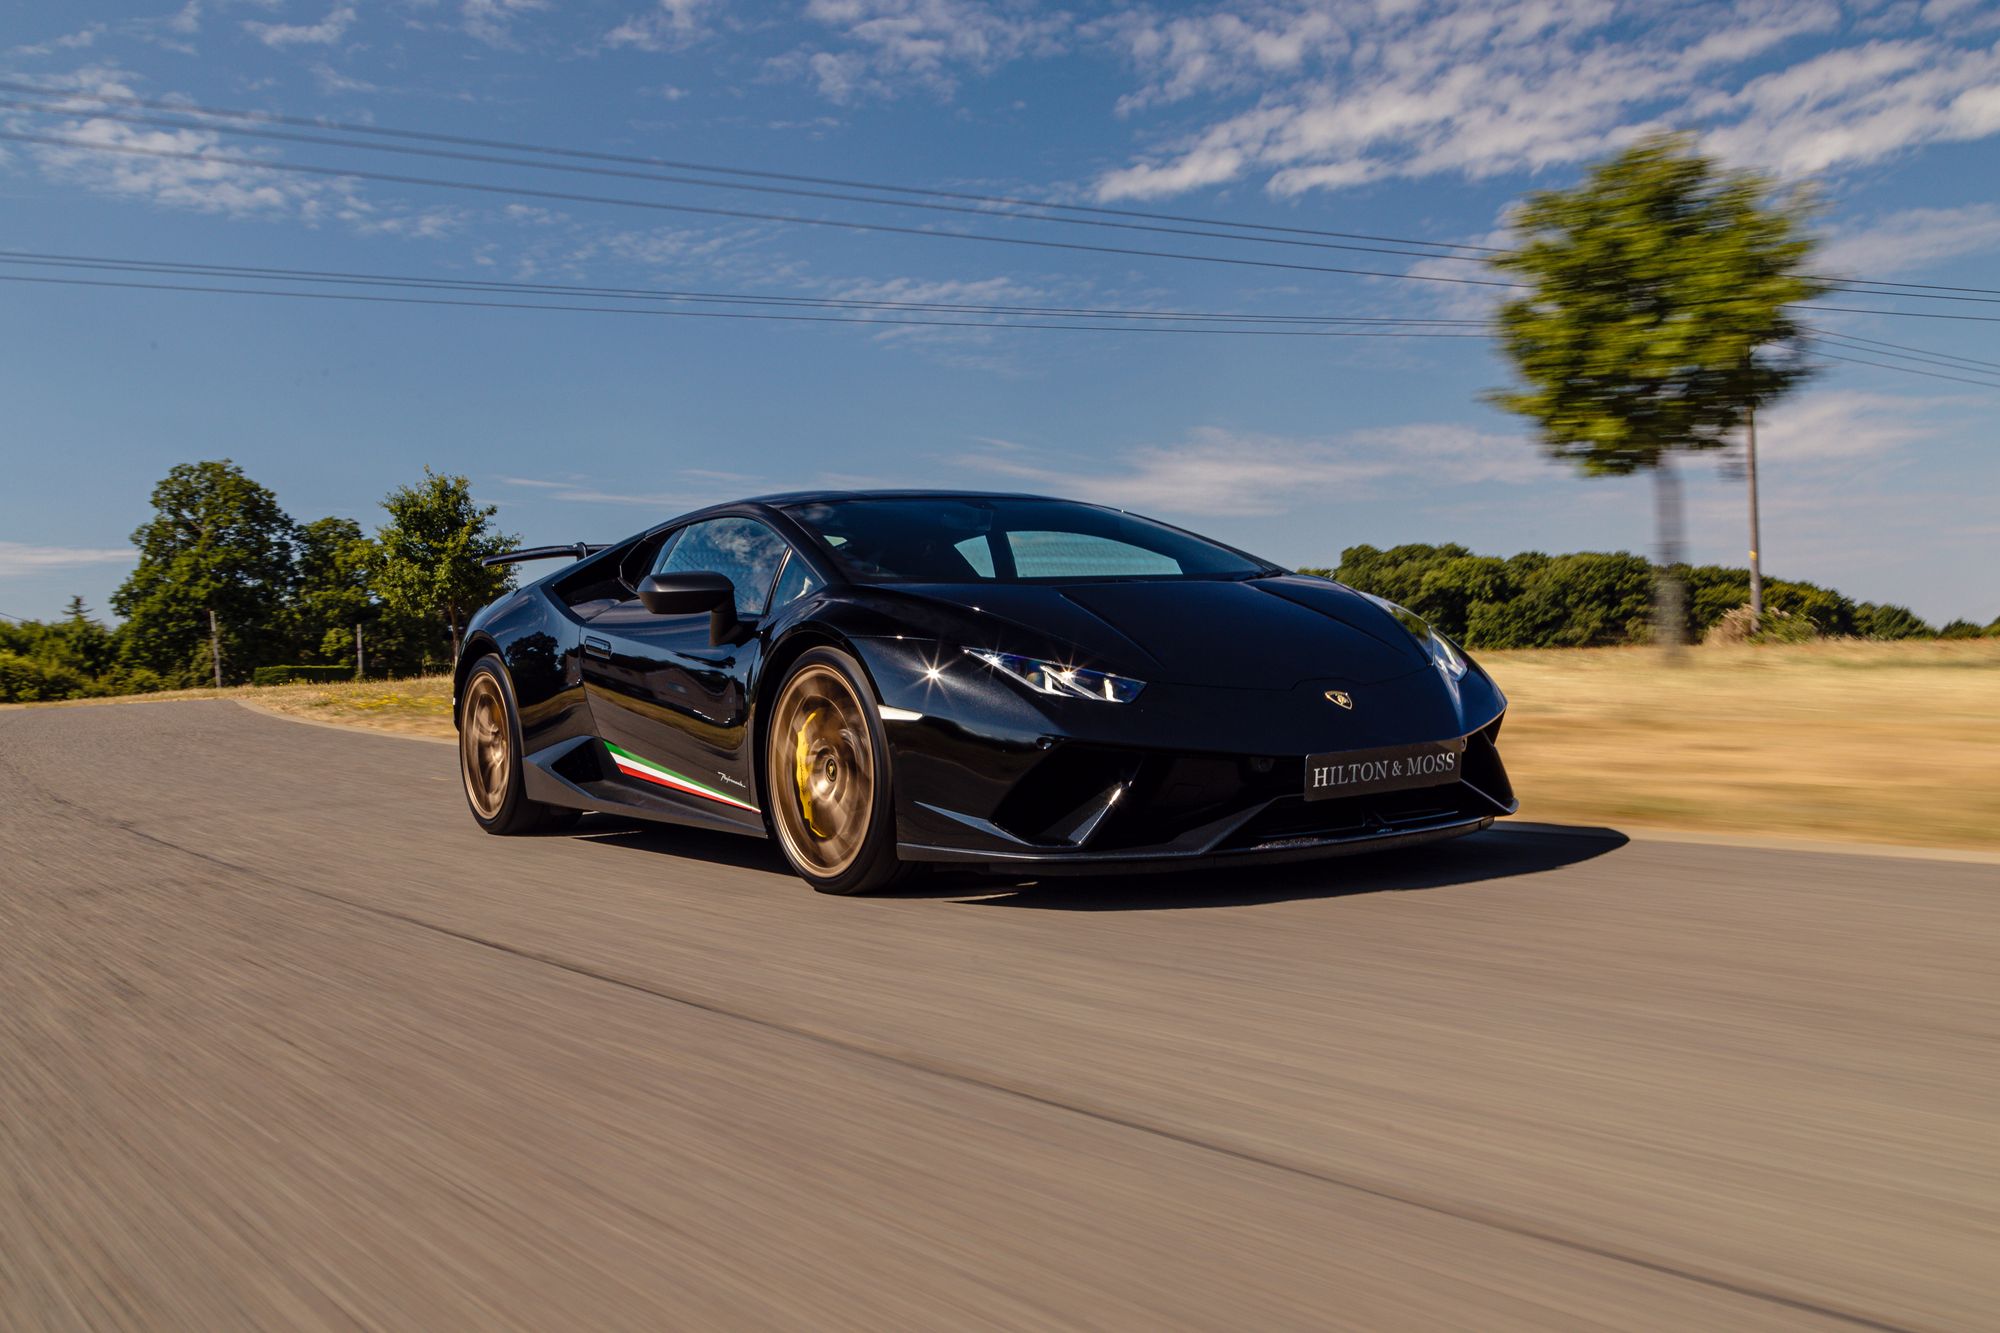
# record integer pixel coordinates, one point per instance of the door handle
(596, 647)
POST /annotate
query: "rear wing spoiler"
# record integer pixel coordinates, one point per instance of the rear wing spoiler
(574, 551)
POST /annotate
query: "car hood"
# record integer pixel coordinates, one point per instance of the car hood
(1268, 633)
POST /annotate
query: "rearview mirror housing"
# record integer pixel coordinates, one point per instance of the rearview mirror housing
(685, 594)
(691, 594)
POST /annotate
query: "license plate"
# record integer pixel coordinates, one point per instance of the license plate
(1392, 768)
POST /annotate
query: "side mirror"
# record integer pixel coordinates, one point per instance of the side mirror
(685, 594)
(691, 594)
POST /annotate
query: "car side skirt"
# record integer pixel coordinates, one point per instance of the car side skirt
(582, 774)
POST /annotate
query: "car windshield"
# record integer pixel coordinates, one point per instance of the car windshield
(975, 539)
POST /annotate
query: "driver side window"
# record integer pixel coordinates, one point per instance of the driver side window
(741, 549)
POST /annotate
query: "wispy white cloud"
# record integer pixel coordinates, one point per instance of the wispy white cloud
(141, 163)
(19, 558)
(491, 21)
(883, 48)
(1835, 426)
(423, 224)
(1220, 473)
(703, 488)
(1216, 472)
(231, 187)
(332, 81)
(1911, 238)
(323, 33)
(83, 37)
(974, 292)
(668, 26)
(1346, 94)
(174, 32)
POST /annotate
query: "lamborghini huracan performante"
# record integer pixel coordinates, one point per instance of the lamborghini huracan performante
(884, 680)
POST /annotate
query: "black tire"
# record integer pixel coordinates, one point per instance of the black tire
(489, 756)
(825, 727)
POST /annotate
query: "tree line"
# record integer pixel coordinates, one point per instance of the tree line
(1595, 599)
(228, 586)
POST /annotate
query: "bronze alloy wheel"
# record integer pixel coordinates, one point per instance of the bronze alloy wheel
(821, 763)
(483, 736)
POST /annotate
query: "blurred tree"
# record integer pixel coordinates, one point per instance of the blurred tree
(209, 595)
(1960, 629)
(428, 567)
(1658, 318)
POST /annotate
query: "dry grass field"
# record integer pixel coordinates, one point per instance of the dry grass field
(1873, 742)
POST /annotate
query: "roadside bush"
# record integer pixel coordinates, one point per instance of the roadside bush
(24, 680)
(1733, 626)
(1889, 621)
(287, 675)
(128, 680)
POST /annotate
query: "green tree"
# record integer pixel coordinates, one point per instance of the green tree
(87, 644)
(1886, 620)
(428, 568)
(1658, 318)
(336, 559)
(1960, 629)
(1579, 600)
(209, 595)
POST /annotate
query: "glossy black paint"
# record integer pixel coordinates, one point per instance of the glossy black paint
(1207, 763)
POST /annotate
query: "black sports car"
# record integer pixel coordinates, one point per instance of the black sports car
(885, 679)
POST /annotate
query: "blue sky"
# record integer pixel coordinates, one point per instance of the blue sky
(1420, 120)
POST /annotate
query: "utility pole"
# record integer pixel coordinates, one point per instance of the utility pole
(1756, 566)
(360, 663)
(215, 645)
(1669, 594)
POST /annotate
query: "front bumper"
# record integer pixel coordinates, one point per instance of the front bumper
(1096, 809)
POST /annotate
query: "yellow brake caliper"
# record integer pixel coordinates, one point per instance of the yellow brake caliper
(802, 771)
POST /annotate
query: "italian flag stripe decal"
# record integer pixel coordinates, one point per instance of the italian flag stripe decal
(633, 766)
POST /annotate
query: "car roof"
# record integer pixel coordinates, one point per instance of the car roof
(816, 497)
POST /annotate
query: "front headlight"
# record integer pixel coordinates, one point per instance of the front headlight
(1063, 681)
(1443, 652)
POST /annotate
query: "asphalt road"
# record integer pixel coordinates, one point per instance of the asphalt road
(285, 1041)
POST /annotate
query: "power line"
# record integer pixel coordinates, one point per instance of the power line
(469, 141)
(1908, 370)
(1922, 291)
(737, 314)
(1966, 362)
(793, 219)
(845, 319)
(526, 192)
(1893, 356)
(1904, 314)
(489, 159)
(1933, 293)
(1928, 286)
(189, 268)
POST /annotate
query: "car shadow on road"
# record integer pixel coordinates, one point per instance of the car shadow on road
(1481, 858)
(1497, 854)
(687, 844)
